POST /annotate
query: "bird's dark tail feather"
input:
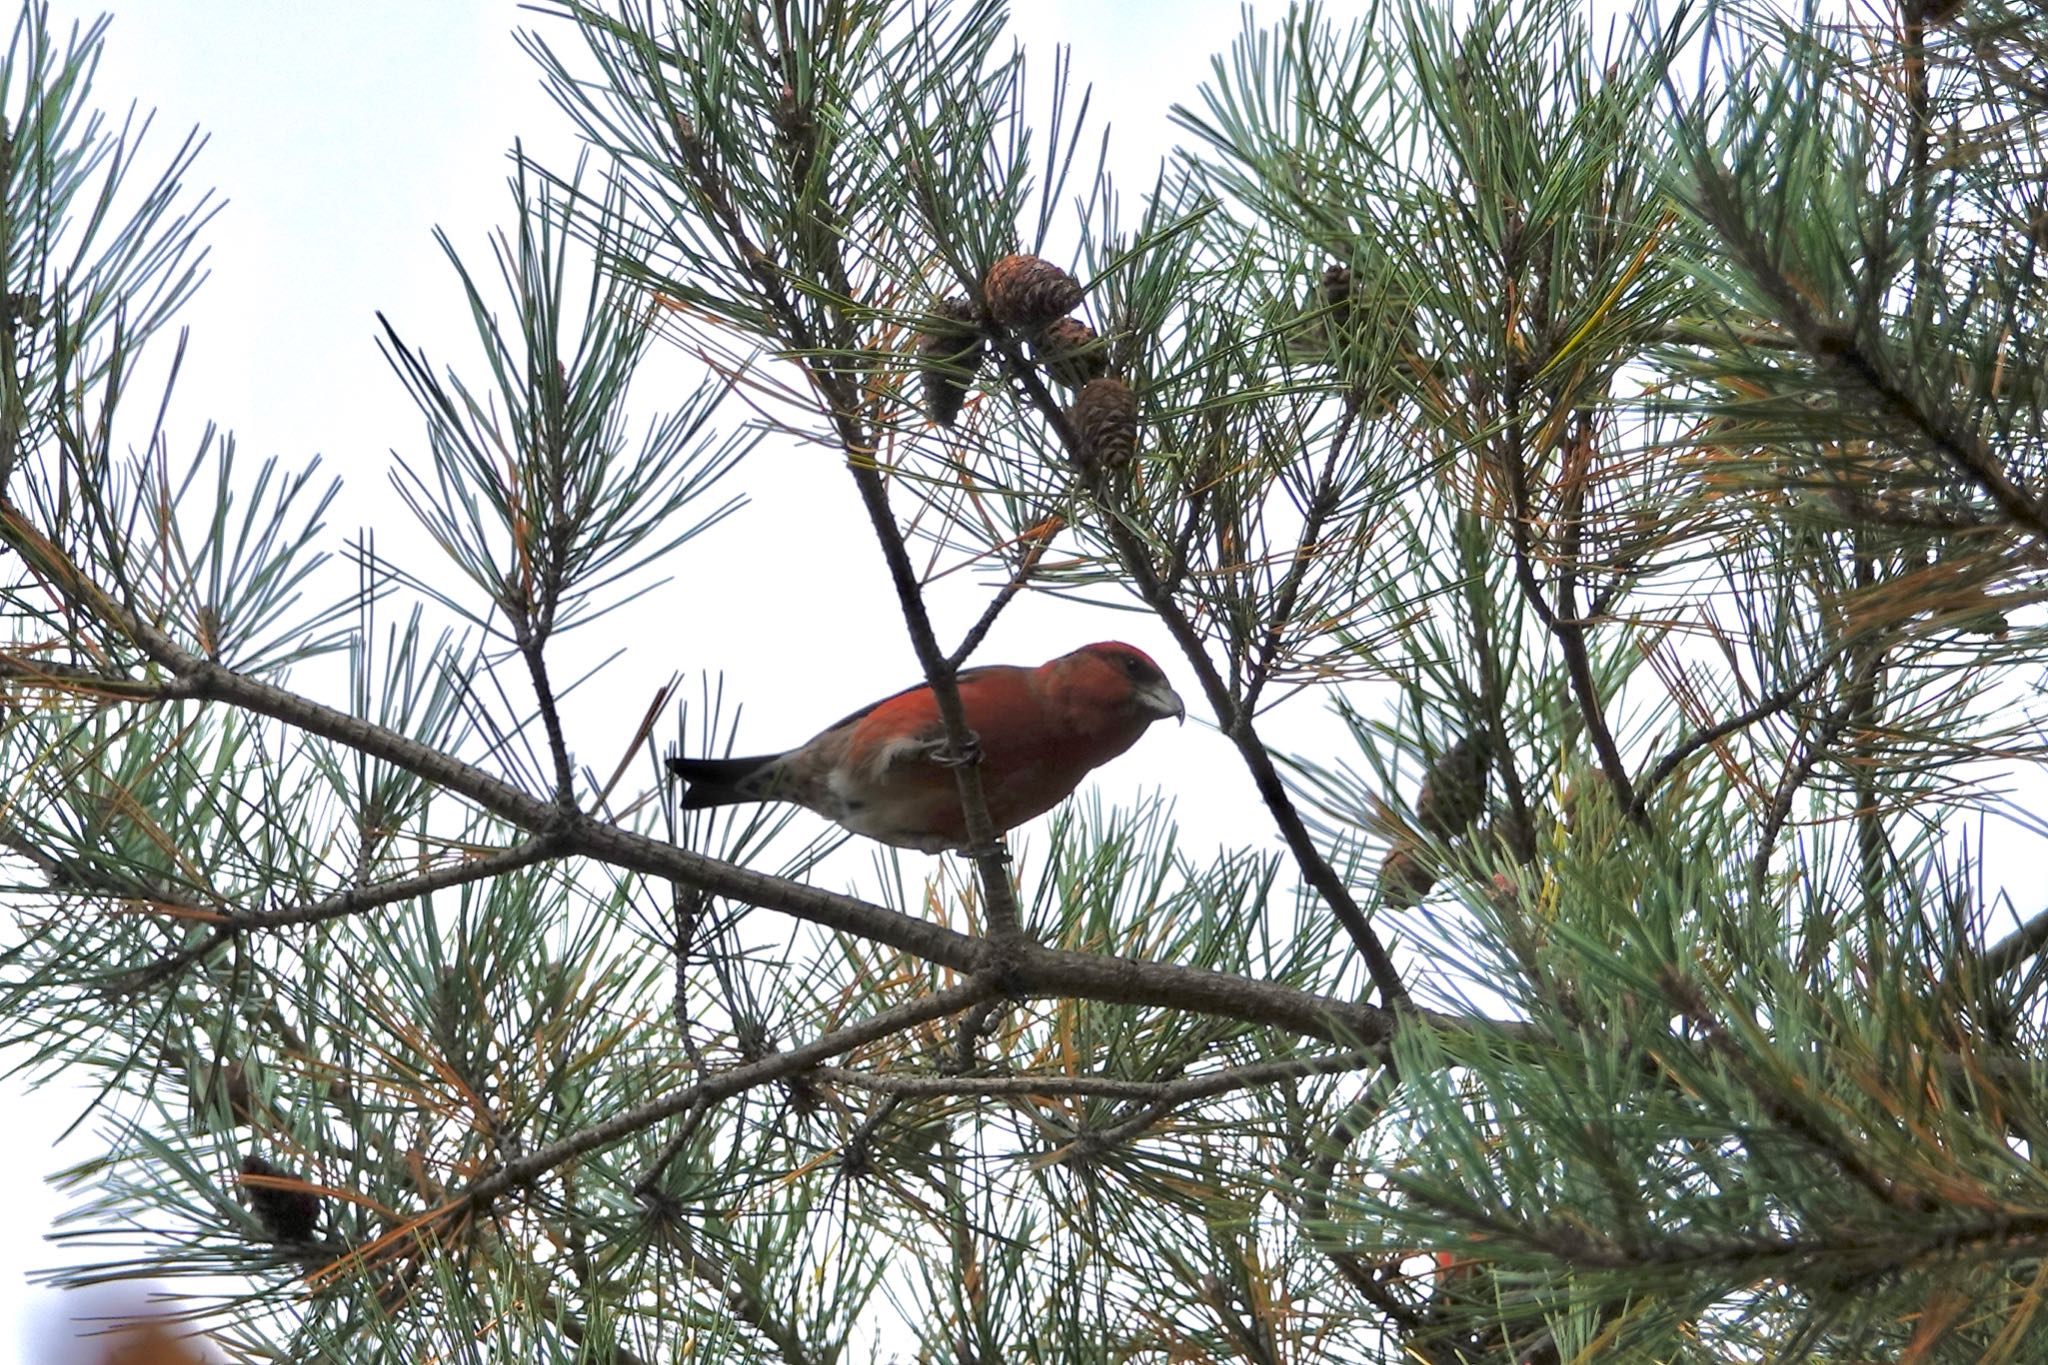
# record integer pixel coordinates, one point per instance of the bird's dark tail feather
(723, 781)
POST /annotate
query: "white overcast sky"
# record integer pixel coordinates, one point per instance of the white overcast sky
(341, 135)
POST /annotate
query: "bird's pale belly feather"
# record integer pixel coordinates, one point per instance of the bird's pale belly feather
(917, 805)
(907, 808)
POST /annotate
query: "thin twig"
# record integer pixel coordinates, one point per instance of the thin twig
(1171, 1093)
(1005, 922)
(1764, 709)
(1322, 502)
(974, 1026)
(1569, 632)
(551, 721)
(980, 629)
(721, 1085)
(1795, 776)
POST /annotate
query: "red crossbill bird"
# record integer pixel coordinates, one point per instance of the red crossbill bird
(882, 772)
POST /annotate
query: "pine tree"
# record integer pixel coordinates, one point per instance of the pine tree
(1673, 454)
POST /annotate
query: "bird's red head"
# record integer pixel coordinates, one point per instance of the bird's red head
(1123, 676)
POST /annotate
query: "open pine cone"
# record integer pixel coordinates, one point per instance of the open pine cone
(1029, 292)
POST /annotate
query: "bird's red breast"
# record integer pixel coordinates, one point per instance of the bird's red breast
(1041, 730)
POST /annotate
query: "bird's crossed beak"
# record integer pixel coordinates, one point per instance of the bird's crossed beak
(1161, 700)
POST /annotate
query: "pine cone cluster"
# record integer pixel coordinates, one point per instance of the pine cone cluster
(288, 1215)
(1105, 415)
(1029, 293)
(949, 351)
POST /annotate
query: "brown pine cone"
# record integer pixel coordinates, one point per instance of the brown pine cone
(805, 1098)
(1405, 877)
(1935, 11)
(1070, 352)
(1327, 315)
(1454, 788)
(288, 1215)
(1105, 414)
(949, 351)
(1337, 289)
(1028, 292)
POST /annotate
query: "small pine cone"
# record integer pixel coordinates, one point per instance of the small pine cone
(1070, 352)
(1337, 289)
(1029, 292)
(1105, 413)
(948, 353)
(1327, 316)
(288, 1215)
(1454, 789)
(1405, 877)
(857, 1157)
(805, 1098)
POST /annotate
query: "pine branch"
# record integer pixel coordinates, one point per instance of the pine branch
(857, 445)
(1786, 1107)
(1322, 503)
(1569, 631)
(1026, 969)
(1233, 717)
(718, 1086)
(1168, 1094)
(2015, 950)
(1858, 366)
(1773, 704)
(1841, 1257)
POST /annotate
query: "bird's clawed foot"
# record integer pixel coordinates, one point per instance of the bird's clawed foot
(995, 850)
(967, 755)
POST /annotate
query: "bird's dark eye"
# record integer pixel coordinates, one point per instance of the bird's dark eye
(1134, 666)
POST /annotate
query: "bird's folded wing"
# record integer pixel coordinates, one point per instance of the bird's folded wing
(960, 679)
